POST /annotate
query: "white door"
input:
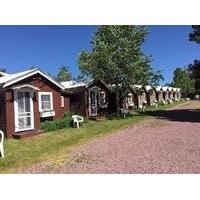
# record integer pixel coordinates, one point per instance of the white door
(93, 103)
(23, 111)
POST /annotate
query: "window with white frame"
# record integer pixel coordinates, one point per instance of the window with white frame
(62, 101)
(102, 98)
(45, 101)
(130, 99)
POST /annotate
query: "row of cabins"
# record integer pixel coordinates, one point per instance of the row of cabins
(31, 97)
(96, 99)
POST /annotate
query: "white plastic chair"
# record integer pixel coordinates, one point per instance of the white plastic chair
(77, 120)
(144, 104)
(1, 144)
(170, 101)
(142, 107)
(124, 112)
(155, 103)
(164, 102)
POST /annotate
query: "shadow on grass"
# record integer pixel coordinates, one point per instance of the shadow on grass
(181, 115)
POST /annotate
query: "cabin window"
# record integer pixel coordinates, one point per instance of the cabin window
(45, 101)
(62, 101)
(102, 98)
(144, 95)
(130, 99)
(93, 97)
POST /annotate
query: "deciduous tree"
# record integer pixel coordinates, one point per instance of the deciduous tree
(64, 74)
(2, 69)
(116, 57)
(156, 77)
(194, 68)
(195, 35)
(182, 79)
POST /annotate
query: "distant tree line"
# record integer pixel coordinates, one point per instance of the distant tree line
(188, 78)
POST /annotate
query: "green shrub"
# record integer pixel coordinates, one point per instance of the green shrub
(111, 116)
(114, 116)
(86, 120)
(67, 114)
(57, 124)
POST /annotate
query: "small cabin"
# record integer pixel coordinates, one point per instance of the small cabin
(88, 99)
(139, 95)
(159, 93)
(170, 93)
(165, 93)
(178, 93)
(150, 94)
(27, 99)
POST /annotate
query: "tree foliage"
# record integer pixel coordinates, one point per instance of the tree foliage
(169, 84)
(2, 69)
(116, 56)
(156, 77)
(195, 35)
(182, 79)
(194, 68)
(64, 74)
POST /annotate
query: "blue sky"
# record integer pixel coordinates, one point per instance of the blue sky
(50, 47)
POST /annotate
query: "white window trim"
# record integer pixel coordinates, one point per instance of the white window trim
(103, 98)
(62, 101)
(130, 98)
(40, 104)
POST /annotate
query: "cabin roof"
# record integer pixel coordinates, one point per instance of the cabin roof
(3, 74)
(10, 79)
(165, 88)
(136, 86)
(72, 84)
(148, 87)
(77, 84)
(158, 88)
(170, 88)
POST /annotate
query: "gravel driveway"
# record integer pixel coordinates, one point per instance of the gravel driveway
(168, 143)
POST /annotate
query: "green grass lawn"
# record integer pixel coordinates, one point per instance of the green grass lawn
(20, 154)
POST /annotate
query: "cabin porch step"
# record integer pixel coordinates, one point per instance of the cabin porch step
(27, 134)
(98, 118)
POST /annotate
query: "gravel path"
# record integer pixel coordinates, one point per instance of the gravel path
(168, 143)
